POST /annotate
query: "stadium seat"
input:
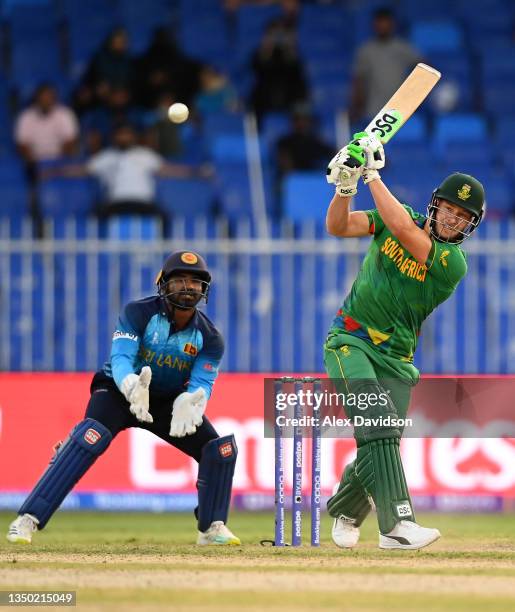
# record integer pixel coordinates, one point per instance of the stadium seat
(233, 190)
(460, 128)
(306, 195)
(133, 227)
(429, 36)
(15, 200)
(216, 124)
(233, 148)
(499, 192)
(251, 22)
(273, 126)
(62, 197)
(193, 197)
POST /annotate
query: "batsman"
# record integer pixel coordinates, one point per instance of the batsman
(413, 264)
(164, 361)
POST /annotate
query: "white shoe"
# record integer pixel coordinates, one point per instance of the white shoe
(344, 532)
(219, 535)
(22, 528)
(407, 535)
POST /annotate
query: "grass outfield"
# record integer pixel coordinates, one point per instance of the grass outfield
(145, 561)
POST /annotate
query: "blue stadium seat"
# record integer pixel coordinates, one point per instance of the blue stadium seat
(273, 126)
(306, 195)
(465, 156)
(133, 227)
(460, 128)
(34, 61)
(499, 191)
(62, 197)
(498, 99)
(233, 190)
(250, 25)
(429, 36)
(206, 38)
(232, 148)
(15, 200)
(330, 97)
(415, 130)
(193, 197)
(217, 124)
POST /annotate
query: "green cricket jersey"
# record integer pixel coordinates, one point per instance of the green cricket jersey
(393, 294)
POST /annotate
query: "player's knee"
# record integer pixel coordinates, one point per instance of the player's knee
(220, 450)
(92, 436)
(374, 415)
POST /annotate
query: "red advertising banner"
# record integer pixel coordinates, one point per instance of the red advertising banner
(37, 410)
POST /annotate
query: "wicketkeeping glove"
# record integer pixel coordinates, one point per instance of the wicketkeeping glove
(373, 151)
(345, 169)
(135, 389)
(188, 410)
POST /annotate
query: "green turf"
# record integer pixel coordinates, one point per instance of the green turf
(474, 549)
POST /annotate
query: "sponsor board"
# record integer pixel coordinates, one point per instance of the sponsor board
(455, 471)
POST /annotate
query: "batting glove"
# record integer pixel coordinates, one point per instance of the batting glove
(345, 169)
(373, 151)
(135, 389)
(188, 410)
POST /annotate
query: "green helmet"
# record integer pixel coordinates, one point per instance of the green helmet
(464, 191)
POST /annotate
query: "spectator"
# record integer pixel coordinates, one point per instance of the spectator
(302, 148)
(98, 124)
(111, 68)
(126, 172)
(165, 68)
(279, 75)
(216, 95)
(380, 66)
(46, 130)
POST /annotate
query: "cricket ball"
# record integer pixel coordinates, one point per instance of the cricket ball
(178, 112)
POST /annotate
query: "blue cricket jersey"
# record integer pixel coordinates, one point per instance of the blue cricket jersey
(180, 360)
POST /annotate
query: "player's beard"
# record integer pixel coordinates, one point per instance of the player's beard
(184, 300)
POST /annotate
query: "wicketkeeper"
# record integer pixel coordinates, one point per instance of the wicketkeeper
(413, 264)
(164, 360)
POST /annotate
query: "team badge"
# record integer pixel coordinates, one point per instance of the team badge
(92, 436)
(443, 258)
(225, 450)
(189, 258)
(190, 349)
(464, 192)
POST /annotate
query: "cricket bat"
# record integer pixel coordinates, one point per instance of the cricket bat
(403, 103)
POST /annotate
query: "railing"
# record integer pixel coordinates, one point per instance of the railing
(273, 299)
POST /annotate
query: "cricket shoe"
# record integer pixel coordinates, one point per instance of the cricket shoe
(218, 535)
(22, 528)
(345, 534)
(407, 535)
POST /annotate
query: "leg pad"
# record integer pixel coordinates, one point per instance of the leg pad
(214, 484)
(86, 442)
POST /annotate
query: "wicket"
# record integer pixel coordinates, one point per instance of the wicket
(316, 459)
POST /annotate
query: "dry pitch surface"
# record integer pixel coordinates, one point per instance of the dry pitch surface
(146, 562)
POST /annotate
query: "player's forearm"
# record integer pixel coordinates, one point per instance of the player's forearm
(337, 217)
(392, 212)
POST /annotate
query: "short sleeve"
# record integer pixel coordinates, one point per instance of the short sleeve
(375, 223)
(100, 163)
(22, 129)
(446, 262)
(151, 160)
(68, 124)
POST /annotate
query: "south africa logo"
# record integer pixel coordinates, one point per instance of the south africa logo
(464, 192)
